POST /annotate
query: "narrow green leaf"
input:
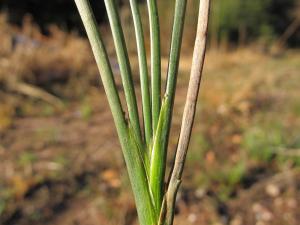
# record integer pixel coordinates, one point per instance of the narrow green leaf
(124, 64)
(143, 71)
(157, 165)
(155, 61)
(178, 25)
(148, 215)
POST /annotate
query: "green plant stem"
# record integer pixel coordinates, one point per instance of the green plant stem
(159, 152)
(125, 67)
(133, 158)
(143, 71)
(189, 110)
(180, 8)
(155, 62)
(157, 165)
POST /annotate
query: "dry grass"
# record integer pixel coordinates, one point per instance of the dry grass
(29, 56)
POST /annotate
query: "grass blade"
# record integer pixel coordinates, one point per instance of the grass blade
(125, 67)
(143, 71)
(180, 8)
(103, 64)
(155, 61)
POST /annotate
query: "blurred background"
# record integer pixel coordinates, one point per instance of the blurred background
(60, 160)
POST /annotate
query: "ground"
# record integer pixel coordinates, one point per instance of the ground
(61, 161)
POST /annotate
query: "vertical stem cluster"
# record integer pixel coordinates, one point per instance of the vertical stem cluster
(129, 144)
(124, 64)
(159, 152)
(146, 168)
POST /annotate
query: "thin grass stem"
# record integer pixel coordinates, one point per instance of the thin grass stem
(146, 101)
(155, 62)
(125, 68)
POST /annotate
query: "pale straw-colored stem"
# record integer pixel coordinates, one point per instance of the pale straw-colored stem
(189, 110)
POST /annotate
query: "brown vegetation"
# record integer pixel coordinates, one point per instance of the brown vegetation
(62, 164)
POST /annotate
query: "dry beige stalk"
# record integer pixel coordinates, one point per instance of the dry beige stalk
(189, 109)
